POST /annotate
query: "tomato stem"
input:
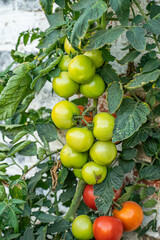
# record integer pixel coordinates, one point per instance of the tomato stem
(76, 201)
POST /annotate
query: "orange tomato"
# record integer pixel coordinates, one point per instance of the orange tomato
(88, 117)
(131, 215)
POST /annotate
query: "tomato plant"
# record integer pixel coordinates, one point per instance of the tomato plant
(64, 107)
(131, 215)
(108, 228)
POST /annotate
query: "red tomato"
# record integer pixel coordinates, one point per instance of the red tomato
(107, 228)
(131, 215)
(89, 197)
(88, 117)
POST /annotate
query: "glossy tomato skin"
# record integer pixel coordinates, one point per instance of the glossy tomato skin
(68, 47)
(96, 56)
(93, 173)
(64, 63)
(131, 215)
(89, 197)
(78, 172)
(72, 159)
(64, 86)
(103, 126)
(81, 69)
(88, 117)
(80, 139)
(107, 228)
(94, 88)
(103, 153)
(62, 114)
(117, 194)
(82, 228)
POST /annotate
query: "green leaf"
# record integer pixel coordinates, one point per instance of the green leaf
(130, 116)
(140, 136)
(152, 224)
(62, 175)
(151, 65)
(47, 6)
(127, 165)
(150, 147)
(3, 207)
(46, 218)
(80, 101)
(28, 234)
(129, 190)
(105, 194)
(29, 150)
(41, 152)
(149, 203)
(22, 57)
(114, 89)
(19, 146)
(153, 26)
(104, 36)
(138, 19)
(129, 57)
(50, 39)
(4, 147)
(60, 3)
(136, 37)
(150, 212)
(150, 191)
(42, 233)
(58, 226)
(121, 8)
(56, 19)
(68, 194)
(13, 220)
(17, 86)
(150, 173)
(47, 132)
(90, 10)
(116, 177)
(13, 236)
(142, 79)
(108, 74)
(107, 55)
(129, 154)
(25, 38)
(19, 136)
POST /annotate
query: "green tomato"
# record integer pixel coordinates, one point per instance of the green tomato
(78, 173)
(93, 173)
(62, 114)
(64, 86)
(93, 89)
(64, 63)
(68, 47)
(103, 153)
(96, 56)
(103, 126)
(72, 159)
(81, 69)
(80, 139)
(82, 228)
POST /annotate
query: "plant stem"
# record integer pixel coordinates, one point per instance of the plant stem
(76, 201)
(103, 21)
(140, 9)
(14, 162)
(134, 95)
(157, 44)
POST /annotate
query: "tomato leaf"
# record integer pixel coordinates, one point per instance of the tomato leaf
(150, 173)
(47, 132)
(104, 36)
(121, 8)
(90, 10)
(58, 226)
(28, 234)
(129, 154)
(108, 74)
(19, 146)
(151, 65)
(129, 57)
(149, 203)
(153, 26)
(126, 165)
(136, 37)
(56, 19)
(47, 6)
(130, 116)
(15, 90)
(29, 150)
(41, 233)
(116, 177)
(114, 89)
(150, 212)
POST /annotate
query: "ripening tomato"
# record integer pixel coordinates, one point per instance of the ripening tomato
(89, 197)
(64, 63)
(107, 228)
(94, 88)
(78, 172)
(131, 215)
(103, 126)
(82, 228)
(88, 117)
(80, 139)
(62, 114)
(68, 47)
(72, 159)
(64, 86)
(81, 69)
(93, 173)
(103, 153)
(96, 56)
